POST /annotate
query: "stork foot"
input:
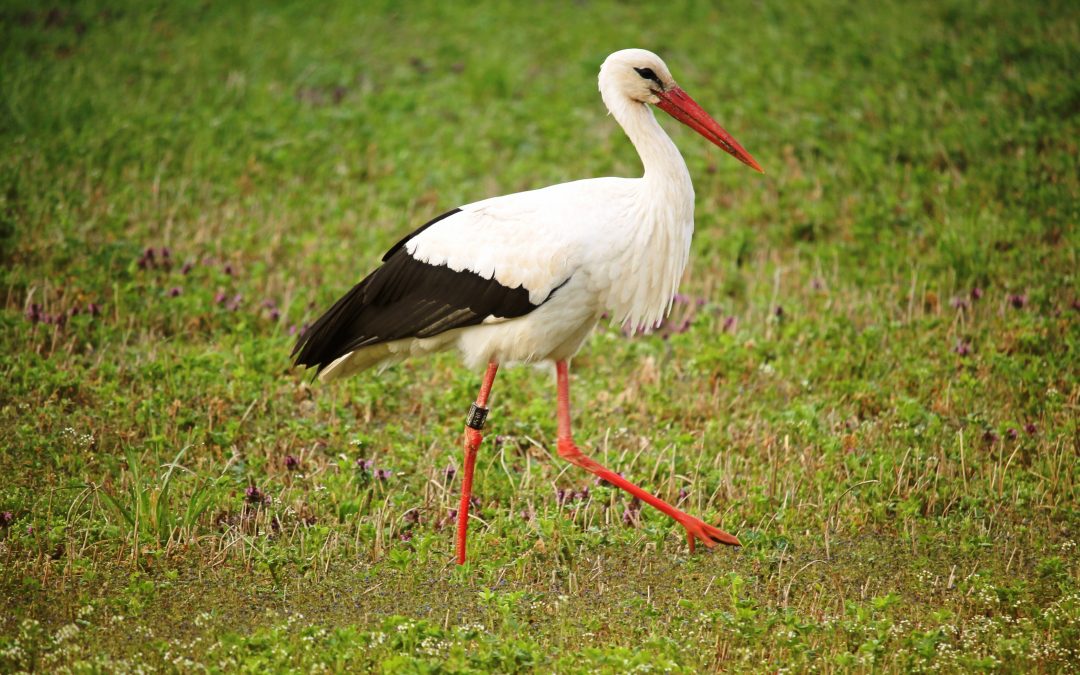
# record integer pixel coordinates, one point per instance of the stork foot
(709, 535)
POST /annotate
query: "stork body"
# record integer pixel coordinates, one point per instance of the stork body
(525, 277)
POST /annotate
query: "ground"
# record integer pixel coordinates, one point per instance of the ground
(871, 376)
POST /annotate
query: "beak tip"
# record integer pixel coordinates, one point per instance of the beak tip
(677, 103)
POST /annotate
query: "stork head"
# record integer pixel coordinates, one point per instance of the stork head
(642, 77)
(637, 74)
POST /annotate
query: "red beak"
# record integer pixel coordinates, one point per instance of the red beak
(679, 105)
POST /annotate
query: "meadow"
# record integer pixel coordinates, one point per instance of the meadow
(871, 375)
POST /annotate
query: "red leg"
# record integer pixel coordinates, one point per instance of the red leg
(473, 437)
(695, 528)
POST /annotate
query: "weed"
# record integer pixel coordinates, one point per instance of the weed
(870, 375)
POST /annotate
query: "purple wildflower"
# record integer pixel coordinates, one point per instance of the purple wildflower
(220, 297)
(527, 515)
(976, 293)
(582, 495)
(990, 437)
(175, 291)
(365, 464)
(254, 495)
(499, 440)
(959, 302)
(412, 516)
(234, 304)
(275, 314)
(560, 497)
(683, 494)
(730, 323)
(165, 252)
(779, 312)
(1030, 428)
(292, 329)
(406, 536)
(817, 284)
(383, 474)
(228, 269)
(188, 266)
(33, 313)
(962, 348)
(6, 519)
(292, 462)
(93, 310)
(474, 502)
(680, 299)
(449, 472)
(1013, 434)
(1018, 300)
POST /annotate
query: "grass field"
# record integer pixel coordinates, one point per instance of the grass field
(873, 378)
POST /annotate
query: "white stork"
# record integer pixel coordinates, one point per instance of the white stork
(525, 277)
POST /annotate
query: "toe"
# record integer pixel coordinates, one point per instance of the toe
(721, 537)
(709, 535)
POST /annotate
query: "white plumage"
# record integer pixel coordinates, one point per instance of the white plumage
(619, 245)
(525, 277)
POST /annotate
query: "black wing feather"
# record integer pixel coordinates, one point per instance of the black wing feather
(406, 298)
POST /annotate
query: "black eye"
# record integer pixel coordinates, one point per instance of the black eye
(648, 74)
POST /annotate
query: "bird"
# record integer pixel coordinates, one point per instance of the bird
(525, 277)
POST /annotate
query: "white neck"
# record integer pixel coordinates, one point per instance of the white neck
(665, 221)
(665, 169)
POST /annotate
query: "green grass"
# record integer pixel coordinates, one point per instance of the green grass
(898, 456)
